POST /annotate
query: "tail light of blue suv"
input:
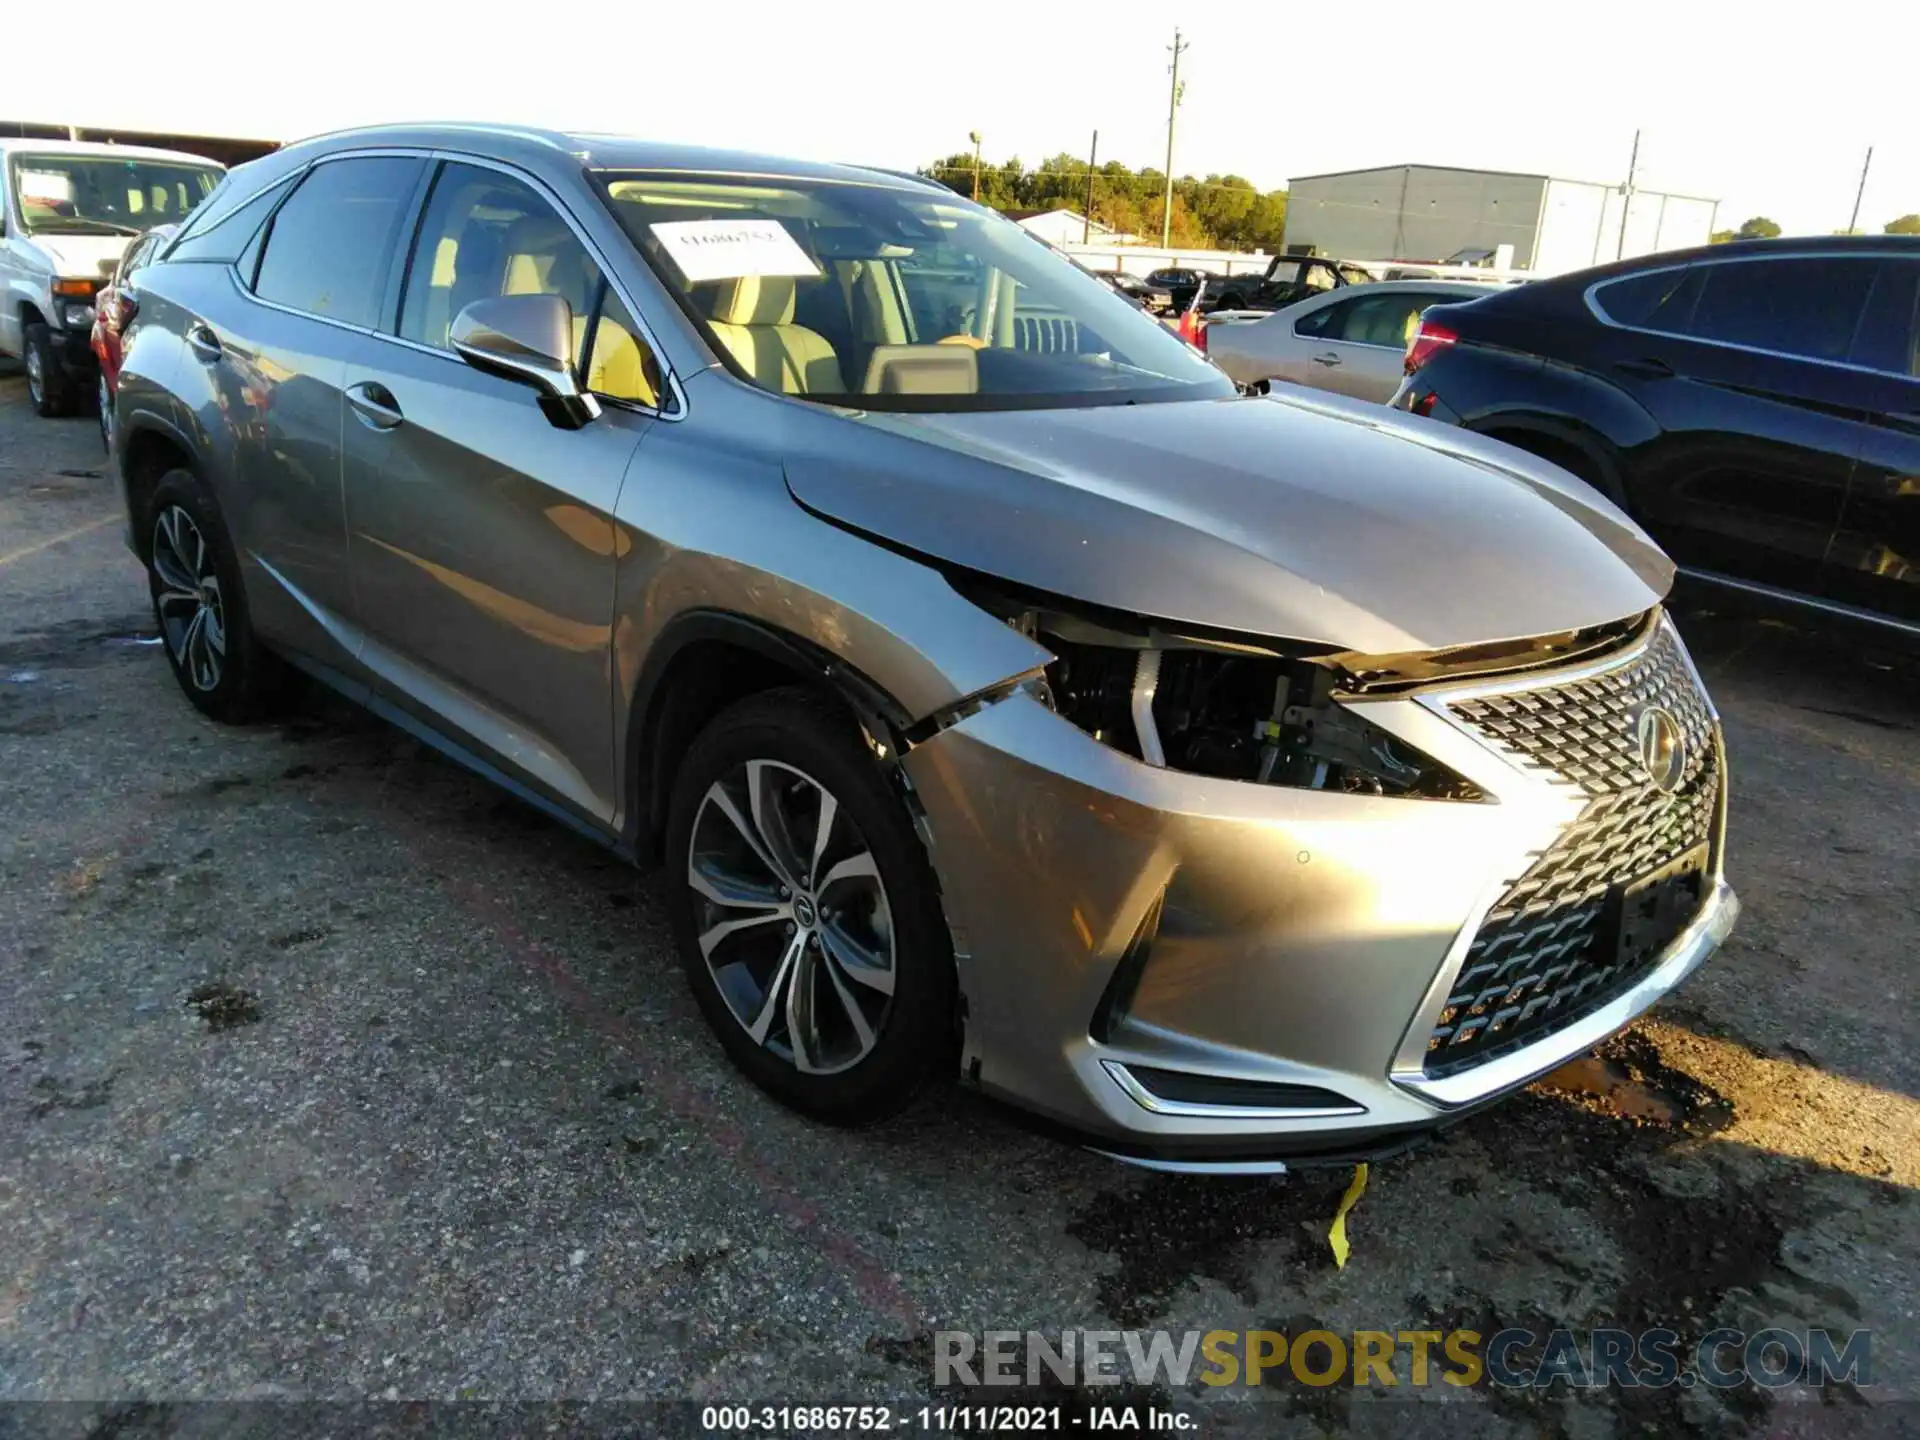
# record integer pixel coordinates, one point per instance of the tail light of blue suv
(1429, 340)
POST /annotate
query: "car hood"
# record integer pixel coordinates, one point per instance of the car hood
(1319, 520)
(85, 256)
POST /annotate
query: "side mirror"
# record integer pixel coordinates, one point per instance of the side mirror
(527, 339)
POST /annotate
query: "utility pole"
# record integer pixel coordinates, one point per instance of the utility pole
(1173, 104)
(1626, 197)
(1854, 223)
(1086, 230)
(974, 136)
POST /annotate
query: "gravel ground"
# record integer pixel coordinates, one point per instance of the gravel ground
(327, 1072)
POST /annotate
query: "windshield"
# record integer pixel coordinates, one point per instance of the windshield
(103, 195)
(885, 298)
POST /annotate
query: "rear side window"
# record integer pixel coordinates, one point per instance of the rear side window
(1807, 307)
(1657, 300)
(328, 248)
(222, 237)
(1889, 338)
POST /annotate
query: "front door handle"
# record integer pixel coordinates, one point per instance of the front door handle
(203, 342)
(1327, 359)
(1647, 368)
(375, 405)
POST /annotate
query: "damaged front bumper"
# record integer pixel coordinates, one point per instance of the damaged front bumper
(1198, 973)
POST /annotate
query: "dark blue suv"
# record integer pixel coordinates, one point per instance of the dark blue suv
(1756, 406)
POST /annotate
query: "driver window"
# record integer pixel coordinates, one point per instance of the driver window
(487, 234)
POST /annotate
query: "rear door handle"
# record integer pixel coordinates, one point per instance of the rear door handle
(375, 405)
(203, 342)
(1327, 359)
(1647, 368)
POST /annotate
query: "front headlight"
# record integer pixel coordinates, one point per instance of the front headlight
(77, 317)
(1259, 711)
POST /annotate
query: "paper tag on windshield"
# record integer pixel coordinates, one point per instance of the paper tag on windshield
(730, 249)
(49, 187)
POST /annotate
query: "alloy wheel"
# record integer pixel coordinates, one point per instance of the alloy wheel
(187, 598)
(793, 920)
(36, 376)
(106, 414)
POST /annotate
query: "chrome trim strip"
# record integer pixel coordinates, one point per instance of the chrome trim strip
(1699, 940)
(1809, 602)
(1439, 698)
(1196, 1167)
(430, 154)
(1194, 1109)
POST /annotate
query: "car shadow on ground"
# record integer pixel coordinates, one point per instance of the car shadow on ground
(1618, 1180)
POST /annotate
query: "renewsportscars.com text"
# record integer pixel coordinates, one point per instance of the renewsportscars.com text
(1509, 1359)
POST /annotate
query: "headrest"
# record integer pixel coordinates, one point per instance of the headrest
(539, 235)
(753, 300)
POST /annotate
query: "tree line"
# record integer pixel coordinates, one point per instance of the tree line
(1761, 228)
(1217, 212)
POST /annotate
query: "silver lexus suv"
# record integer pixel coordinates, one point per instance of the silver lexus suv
(1225, 780)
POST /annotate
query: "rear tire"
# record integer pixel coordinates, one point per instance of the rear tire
(823, 963)
(193, 575)
(47, 388)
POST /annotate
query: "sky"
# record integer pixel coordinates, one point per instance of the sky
(1770, 118)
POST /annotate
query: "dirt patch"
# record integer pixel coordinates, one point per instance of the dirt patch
(305, 935)
(73, 644)
(224, 1007)
(1685, 1249)
(1174, 1229)
(52, 1093)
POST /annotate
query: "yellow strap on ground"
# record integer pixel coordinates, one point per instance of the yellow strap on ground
(1337, 1233)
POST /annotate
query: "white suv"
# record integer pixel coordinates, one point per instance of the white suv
(67, 212)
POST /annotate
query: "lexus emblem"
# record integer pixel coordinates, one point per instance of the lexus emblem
(1663, 748)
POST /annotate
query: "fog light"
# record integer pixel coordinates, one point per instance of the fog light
(78, 317)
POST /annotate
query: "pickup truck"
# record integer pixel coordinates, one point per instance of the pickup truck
(68, 211)
(1288, 278)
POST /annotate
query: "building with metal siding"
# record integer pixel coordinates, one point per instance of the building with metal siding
(1430, 212)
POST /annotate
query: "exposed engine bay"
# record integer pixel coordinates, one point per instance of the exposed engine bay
(1225, 709)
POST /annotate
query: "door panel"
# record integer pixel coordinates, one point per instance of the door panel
(1748, 473)
(261, 390)
(1360, 348)
(1875, 560)
(483, 553)
(261, 371)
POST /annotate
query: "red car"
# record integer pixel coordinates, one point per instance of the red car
(113, 310)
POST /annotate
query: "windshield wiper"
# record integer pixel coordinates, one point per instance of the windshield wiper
(65, 225)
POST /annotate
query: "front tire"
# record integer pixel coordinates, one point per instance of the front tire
(46, 381)
(193, 575)
(806, 913)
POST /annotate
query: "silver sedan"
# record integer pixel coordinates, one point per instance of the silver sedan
(1351, 340)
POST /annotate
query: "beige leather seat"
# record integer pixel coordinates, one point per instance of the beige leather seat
(753, 317)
